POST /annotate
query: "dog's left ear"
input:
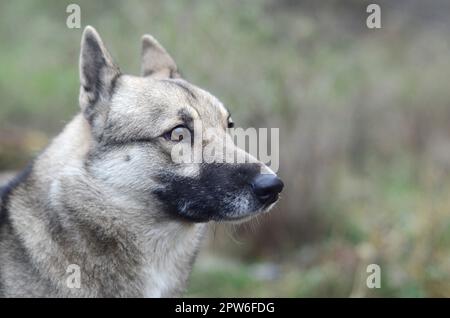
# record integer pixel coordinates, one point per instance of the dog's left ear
(155, 61)
(98, 73)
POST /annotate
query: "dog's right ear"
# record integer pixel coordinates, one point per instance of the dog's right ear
(155, 61)
(98, 73)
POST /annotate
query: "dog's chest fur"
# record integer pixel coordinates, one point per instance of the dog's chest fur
(168, 263)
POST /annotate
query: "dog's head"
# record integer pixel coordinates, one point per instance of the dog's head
(142, 125)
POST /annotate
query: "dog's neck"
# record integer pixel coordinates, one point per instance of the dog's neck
(120, 250)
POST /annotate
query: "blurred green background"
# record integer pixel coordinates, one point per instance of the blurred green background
(364, 118)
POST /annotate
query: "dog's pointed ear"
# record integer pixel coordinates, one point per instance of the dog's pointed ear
(98, 73)
(155, 61)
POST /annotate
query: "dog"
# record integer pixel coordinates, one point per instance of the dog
(106, 195)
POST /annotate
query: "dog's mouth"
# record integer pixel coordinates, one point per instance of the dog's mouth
(222, 213)
(242, 217)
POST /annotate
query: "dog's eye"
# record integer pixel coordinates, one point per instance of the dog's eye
(178, 134)
(230, 122)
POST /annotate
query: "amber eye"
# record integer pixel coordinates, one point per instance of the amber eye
(178, 134)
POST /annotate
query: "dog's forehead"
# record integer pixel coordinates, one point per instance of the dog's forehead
(160, 100)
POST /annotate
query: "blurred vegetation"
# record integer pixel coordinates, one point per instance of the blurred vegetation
(364, 118)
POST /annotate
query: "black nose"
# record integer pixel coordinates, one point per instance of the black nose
(267, 187)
